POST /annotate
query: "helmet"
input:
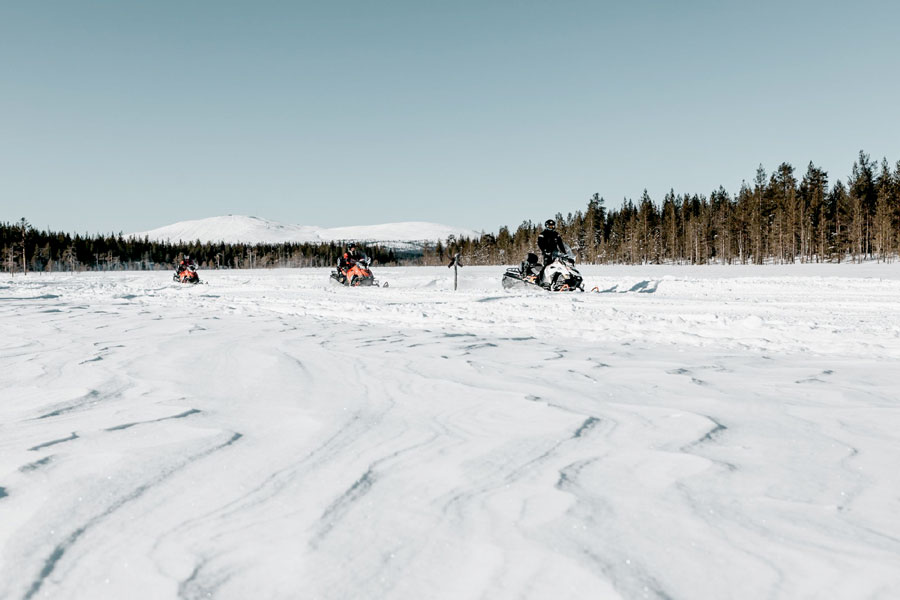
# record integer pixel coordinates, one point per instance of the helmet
(550, 223)
(351, 246)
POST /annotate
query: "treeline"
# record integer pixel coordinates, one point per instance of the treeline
(779, 218)
(53, 251)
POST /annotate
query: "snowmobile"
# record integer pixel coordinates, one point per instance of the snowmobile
(357, 275)
(560, 275)
(186, 275)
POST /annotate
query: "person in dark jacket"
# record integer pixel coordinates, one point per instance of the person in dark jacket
(549, 241)
(187, 263)
(350, 257)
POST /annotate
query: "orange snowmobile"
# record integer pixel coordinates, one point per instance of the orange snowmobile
(186, 275)
(356, 275)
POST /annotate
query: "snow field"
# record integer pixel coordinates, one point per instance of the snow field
(689, 432)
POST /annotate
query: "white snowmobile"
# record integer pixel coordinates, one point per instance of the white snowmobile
(558, 276)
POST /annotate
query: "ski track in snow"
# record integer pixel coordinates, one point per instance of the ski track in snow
(689, 432)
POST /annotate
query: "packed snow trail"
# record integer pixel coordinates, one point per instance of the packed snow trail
(687, 433)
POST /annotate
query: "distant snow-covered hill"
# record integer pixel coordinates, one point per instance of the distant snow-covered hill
(253, 230)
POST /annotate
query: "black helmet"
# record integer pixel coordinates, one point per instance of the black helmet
(550, 223)
(351, 245)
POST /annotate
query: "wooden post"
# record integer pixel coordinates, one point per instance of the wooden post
(455, 262)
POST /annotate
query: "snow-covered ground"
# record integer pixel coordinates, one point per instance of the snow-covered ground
(705, 432)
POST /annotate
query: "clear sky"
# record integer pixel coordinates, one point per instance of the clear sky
(123, 115)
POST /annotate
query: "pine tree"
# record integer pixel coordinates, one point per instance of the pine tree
(720, 220)
(782, 190)
(813, 218)
(885, 204)
(863, 198)
(759, 217)
(594, 218)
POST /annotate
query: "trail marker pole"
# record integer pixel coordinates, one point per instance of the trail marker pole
(455, 262)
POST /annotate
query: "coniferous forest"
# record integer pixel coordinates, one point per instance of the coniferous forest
(779, 217)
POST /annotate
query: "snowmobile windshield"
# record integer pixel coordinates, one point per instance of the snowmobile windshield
(568, 254)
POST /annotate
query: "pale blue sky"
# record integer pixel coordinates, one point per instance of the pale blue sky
(127, 115)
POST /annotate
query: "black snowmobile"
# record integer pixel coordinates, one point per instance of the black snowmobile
(558, 276)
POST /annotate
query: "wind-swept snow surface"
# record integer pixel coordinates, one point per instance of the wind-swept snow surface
(688, 433)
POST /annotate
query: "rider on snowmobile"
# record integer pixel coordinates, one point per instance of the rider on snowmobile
(350, 257)
(186, 263)
(549, 241)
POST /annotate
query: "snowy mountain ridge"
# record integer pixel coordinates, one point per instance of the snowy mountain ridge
(236, 229)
